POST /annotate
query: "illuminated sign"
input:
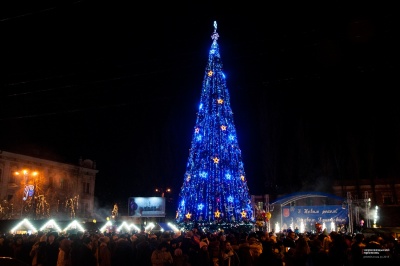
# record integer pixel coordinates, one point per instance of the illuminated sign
(146, 206)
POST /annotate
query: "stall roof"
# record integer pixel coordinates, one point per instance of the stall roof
(165, 226)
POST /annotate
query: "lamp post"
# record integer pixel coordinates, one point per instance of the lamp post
(162, 191)
(268, 209)
(168, 199)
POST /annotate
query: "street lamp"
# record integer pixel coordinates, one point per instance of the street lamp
(163, 191)
(28, 193)
(168, 200)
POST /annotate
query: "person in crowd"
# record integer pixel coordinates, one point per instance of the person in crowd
(41, 251)
(81, 251)
(264, 237)
(317, 252)
(153, 241)
(64, 253)
(34, 250)
(357, 250)
(203, 257)
(17, 247)
(338, 251)
(290, 240)
(52, 249)
(269, 256)
(143, 251)
(228, 257)
(394, 247)
(180, 259)
(27, 243)
(95, 245)
(5, 249)
(104, 252)
(161, 256)
(373, 242)
(123, 254)
(190, 246)
(214, 248)
(255, 247)
(244, 252)
(326, 242)
(300, 255)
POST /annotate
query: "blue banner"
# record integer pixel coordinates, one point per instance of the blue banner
(307, 216)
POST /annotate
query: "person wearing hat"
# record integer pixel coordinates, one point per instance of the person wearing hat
(255, 248)
(52, 248)
(204, 257)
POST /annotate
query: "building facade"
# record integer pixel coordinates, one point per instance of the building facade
(373, 200)
(382, 192)
(36, 188)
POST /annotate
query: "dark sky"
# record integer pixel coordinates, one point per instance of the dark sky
(313, 89)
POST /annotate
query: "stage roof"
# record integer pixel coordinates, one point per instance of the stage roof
(302, 195)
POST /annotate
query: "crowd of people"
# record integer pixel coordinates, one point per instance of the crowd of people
(197, 248)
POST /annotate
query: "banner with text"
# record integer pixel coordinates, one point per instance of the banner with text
(307, 216)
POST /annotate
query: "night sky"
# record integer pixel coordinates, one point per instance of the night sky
(313, 90)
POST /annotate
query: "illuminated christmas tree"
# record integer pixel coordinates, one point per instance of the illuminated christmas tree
(215, 188)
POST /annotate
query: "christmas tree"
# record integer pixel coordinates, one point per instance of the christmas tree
(215, 187)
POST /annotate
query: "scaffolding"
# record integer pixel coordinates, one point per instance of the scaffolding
(355, 206)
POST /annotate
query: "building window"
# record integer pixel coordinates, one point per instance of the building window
(387, 198)
(51, 181)
(86, 187)
(86, 208)
(12, 178)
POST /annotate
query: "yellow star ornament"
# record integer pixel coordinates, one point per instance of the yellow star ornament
(244, 214)
(216, 160)
(188, 215)
(210, 73)
(217, 214)
(220, 101)
(223, 128)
